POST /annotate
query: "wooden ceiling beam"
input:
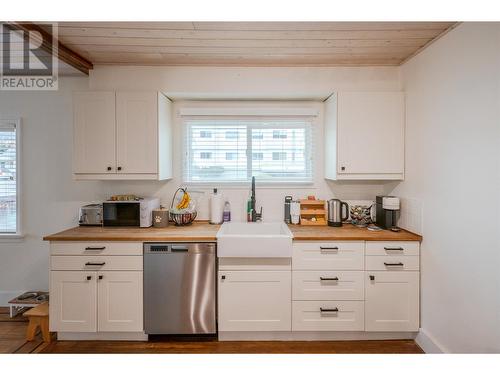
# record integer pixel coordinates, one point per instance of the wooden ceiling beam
(64, 53)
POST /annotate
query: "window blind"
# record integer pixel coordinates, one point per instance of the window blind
(233, 150)
(8, 178)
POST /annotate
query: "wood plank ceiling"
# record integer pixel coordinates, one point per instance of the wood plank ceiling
(250, 43)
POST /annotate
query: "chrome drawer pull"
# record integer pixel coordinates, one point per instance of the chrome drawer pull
(393, 248)
(95, 248)
(393, 264)
(329, 278)
(322, 310)
(95, 264)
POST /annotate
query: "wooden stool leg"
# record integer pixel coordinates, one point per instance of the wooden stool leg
(44, 327)
(31, 332)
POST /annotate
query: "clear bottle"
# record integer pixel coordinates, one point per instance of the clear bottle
(226, 213)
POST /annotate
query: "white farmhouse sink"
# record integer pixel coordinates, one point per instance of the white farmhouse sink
(254, 240)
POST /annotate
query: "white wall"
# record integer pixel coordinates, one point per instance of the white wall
(180, 83)
(244, 82)
(453, 170)
(270, 198)
(50, 197)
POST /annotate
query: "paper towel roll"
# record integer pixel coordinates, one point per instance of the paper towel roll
(216, 208)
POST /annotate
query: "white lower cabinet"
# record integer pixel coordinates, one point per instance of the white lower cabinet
(96, 287)
(392, 301)
(96, 301)
(119, 301)
(328, 315)
(355, 286)
(254, 300)
(73, 301)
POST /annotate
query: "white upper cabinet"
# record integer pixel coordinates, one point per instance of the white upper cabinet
(364, 134)
(122, 135)
(136, 127)
(94, 132)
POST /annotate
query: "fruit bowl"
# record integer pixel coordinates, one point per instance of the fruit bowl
(183, 218)
(184, 212)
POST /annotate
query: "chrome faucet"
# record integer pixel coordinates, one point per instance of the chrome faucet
(256, 216)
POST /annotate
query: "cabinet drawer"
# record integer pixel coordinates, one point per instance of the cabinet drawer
(327, 285)
(392, 248)
(95, 248)
(96, 263)
(344, 316)
(328, 255)
(392, 263)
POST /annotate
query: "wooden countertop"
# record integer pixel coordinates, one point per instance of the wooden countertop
(198, 231)
(202, 231)
(348, 232)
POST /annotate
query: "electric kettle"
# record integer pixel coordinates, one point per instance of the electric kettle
(335, 214)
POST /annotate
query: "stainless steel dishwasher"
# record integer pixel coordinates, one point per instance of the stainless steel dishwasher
(179, 288)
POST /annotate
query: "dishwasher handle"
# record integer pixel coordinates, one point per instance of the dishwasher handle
(179, 249)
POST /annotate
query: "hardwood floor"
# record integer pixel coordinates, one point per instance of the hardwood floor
(13, 333)
(233, 347)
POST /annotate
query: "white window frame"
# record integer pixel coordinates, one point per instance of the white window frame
(19, 230)
(256, 114)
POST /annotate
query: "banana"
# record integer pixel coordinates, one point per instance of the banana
(188, 199)
(184, 202)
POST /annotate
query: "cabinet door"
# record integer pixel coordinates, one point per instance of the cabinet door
(73, 296)
(254, 301)
(370, 133)
(94, 132)
(119, 301)
(137, 132)
(392, 301)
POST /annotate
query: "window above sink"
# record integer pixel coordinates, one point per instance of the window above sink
(273, 146)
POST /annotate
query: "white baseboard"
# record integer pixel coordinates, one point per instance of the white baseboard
(108, 336)
(313, 336)
(7, 295)
(428, 343)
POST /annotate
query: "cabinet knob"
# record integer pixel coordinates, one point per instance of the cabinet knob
(342, 168)
(89, 278)
(119, 168)
(109, 168)
(372, 278)
(100, 277)
(223, 277)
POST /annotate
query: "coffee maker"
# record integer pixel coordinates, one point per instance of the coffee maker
(386, 211)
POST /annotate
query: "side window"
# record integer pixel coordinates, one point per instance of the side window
(9, 171)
